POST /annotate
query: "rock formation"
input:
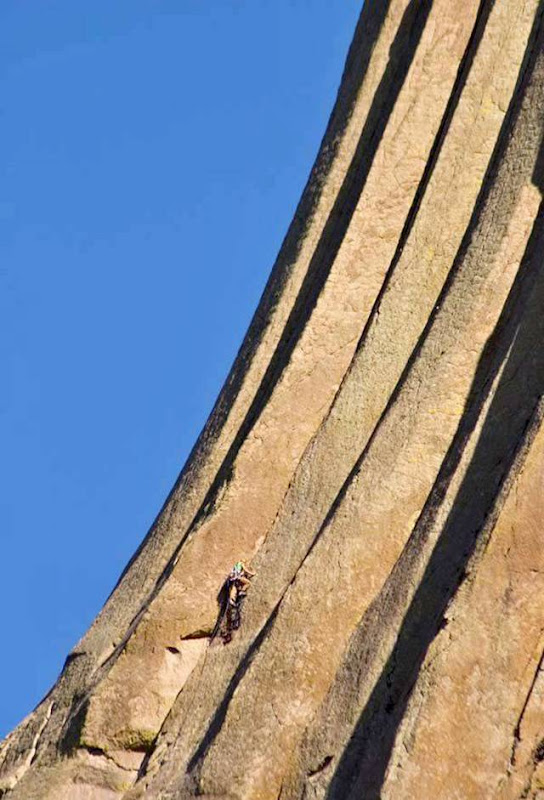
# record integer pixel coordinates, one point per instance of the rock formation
(376, 456)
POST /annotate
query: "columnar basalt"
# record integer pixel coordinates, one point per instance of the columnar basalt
(376, 455)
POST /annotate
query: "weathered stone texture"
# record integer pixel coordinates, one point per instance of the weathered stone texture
(376, 454)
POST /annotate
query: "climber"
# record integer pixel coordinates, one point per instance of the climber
(231, 597)
(240, 577)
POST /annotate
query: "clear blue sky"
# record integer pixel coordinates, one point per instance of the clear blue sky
(152, 157)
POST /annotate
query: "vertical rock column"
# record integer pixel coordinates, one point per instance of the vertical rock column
(375, 455)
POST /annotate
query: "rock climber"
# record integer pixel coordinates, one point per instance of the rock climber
(231, 597)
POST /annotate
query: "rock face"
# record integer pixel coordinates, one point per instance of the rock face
(376, 456)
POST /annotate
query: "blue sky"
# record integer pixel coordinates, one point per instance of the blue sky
(152, 157)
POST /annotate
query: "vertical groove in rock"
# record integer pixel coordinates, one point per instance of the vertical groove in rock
(376, 454)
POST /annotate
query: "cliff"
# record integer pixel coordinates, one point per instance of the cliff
(376, 456)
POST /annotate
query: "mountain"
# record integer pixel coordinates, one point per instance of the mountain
(375, 458)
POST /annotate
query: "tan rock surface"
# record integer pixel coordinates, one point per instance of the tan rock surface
(376, 454)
